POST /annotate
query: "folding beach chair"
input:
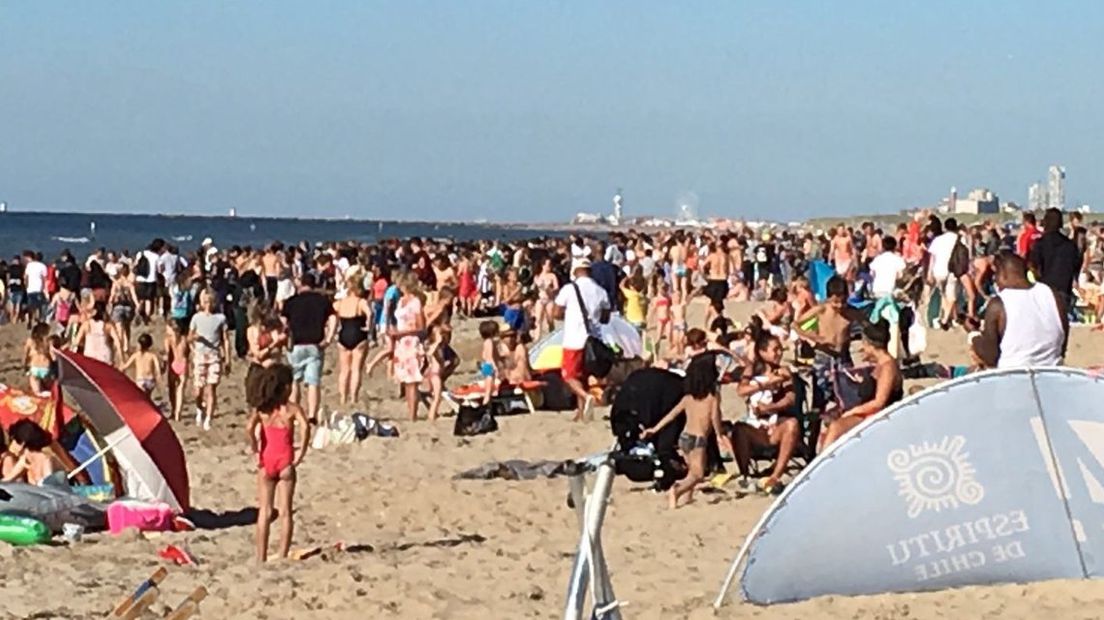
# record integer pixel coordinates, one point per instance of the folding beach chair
(507, 394)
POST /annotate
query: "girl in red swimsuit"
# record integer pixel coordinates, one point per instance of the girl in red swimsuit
(271, 424)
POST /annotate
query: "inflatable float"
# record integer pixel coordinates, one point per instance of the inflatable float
(23, 530)
(53, 506)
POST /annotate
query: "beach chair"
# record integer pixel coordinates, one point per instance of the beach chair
(472, 395)
(763, 457)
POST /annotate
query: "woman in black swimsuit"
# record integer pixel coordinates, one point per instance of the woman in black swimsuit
(884, 386)
(352, 313)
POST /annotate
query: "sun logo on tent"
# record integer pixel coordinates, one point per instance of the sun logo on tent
(935, 476)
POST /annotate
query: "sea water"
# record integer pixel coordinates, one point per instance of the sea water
(82, 233)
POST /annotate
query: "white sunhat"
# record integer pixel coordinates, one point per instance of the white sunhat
(580, 263)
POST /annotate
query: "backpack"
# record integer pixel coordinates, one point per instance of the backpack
(959, 263)
(142, 268)
(181, 302)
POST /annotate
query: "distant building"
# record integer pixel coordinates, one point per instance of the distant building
(1036, 197)
(588, 218)
(978, 201)
(1056, 187)
(617, 213)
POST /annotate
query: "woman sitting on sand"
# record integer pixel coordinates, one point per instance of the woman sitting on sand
(884, 386)
(769, 390)
(270, 429)
(25, 459)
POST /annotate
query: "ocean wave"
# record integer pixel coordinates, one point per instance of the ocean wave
(71, 239)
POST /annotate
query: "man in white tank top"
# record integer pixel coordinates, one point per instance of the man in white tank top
(1025, 324)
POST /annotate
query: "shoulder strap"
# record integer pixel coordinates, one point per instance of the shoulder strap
(582, 306)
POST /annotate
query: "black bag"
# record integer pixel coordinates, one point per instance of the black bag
(474, 421)
(142, 268)
(959, 263)
(598, 357)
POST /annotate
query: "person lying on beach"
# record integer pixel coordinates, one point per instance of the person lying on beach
(703, 418)
(271, 425)
(146, 363)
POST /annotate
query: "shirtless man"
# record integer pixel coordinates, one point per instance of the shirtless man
(717, 269)
(831, 338)
(842, 253)
(873, 242)
(270, 269)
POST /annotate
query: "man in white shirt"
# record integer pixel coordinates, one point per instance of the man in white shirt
(1026, 325)
(145, 271)
(575, 332)
(886, 268)
(939, 271)
(34, 284)
(168, 266)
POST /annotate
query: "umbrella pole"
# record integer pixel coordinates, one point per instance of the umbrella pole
(95, 457)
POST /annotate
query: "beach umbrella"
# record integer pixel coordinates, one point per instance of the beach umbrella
(547, 354)
(138, 437)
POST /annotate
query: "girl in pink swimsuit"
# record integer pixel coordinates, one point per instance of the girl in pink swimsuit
(271, 425)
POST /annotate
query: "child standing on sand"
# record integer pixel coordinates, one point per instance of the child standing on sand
(270, 428)
(176, 361)
(678, 323)
(147, 366)
(703, 417)
(38, 359)
(489, 358)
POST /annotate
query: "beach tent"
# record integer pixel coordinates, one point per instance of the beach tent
(548, 353)
(992, 478)
(129, 427)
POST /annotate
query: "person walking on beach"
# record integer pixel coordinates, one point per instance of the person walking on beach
(717, 270)
(353, 315)
(210, 356)
(578, 320)
(273, 422)
(311, 325)
(124, 300)
(1054, 258)
(842, 253)
(407, 335)
(145, 278)
(34, 285)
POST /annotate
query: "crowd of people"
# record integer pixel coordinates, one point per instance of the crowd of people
(396, 303)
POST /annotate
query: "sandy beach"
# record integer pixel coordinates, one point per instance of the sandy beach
(426, 546)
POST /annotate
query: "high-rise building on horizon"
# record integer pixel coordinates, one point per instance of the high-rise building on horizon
(1056, 187)
(1036, 197)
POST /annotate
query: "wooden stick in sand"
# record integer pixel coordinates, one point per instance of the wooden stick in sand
(144, 595)
(188, 606)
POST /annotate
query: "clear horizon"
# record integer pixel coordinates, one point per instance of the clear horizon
(531, 112)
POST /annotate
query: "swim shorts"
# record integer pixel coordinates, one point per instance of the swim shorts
(306, 363)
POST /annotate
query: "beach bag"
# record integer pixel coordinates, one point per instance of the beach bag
(959, 263)
(472, 421)
(598, 357)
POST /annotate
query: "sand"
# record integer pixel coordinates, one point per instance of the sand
(433, 547)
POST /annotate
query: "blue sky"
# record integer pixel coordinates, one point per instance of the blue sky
(521, 110)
